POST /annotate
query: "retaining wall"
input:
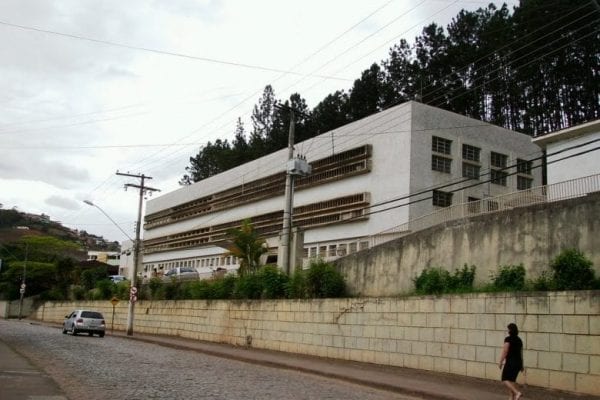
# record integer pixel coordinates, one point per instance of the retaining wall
(531, 236)
(459, 334)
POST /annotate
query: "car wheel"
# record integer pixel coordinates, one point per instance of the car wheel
(91, 333)
(101, 334)
(73, 331)
(64, 331)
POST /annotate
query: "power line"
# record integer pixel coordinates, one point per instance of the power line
(162, 52)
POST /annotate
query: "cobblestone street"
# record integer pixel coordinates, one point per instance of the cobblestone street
(117, 368)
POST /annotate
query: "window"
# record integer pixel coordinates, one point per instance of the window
(322, 251)
(524, 167)
(523, 183)
(498, 177)
(471, 153)
(332, 250)
(470, 171)
(352, 247)
(442, 199)
(440, 145)
(441, 164)
(499, 160)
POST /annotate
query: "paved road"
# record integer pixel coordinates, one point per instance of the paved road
(116, 368)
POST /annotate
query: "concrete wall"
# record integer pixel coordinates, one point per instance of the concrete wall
(459, 334)
(530, 235)
(10, 309)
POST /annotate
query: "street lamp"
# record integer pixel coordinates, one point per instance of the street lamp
(133, 274)
(89, 203)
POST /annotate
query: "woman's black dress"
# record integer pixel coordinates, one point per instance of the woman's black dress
(514, 359)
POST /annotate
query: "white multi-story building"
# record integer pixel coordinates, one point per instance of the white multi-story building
(367, 177)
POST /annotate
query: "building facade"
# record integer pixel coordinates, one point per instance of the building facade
(367, 177)
(571, 153)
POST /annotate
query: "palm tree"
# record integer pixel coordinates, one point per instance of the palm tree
(247, 247)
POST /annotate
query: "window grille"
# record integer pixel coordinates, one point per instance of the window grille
(442, 199)
(470, 171)
(524, 183)
(499, 160)
(441, 145)
(498, 177)
(441, 164)
(471, 153)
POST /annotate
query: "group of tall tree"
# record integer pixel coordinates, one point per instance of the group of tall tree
(533, 70)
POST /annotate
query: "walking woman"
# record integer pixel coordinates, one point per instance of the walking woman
(512, 360)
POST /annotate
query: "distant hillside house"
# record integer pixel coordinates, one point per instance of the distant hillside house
(362, 176)
(107, 257)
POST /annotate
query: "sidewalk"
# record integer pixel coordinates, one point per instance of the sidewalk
(19, 379)
(429, 385)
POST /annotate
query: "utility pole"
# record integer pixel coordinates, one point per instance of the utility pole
(22, 289)
(289, 200)
(295, 167)
(136, 245)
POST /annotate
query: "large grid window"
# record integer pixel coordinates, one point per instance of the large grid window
(499, 160)
(470, 171)
(441, 145)
(524, 166)
(498, 177)
(441, 164)
(471, 153)
(442, 199)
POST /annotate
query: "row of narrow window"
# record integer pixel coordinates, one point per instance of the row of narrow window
(317, 214)
(338, 166)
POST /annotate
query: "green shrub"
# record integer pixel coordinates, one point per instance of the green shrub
(544, 282)
(509, 278)
(324, 281)
(176, 290)
(439, 280)
(156, 287)
(248, 286)
(297, 287)
(121, 290)
(76, 292)
(105, 289)
(200, 290)
(432, 281)
(52, 294)
(462, 279)
(273, 281)
(222, 288)
(572, 271)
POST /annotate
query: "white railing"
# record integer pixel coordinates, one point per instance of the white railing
(541, 194)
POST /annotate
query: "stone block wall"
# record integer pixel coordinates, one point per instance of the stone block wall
(459, 334)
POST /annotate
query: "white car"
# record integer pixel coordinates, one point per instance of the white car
(181, 274)
(117, 278)
(84, 321)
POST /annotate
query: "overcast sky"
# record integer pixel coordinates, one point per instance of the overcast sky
(91, 87)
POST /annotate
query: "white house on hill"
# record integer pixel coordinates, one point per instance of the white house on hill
(367, 177)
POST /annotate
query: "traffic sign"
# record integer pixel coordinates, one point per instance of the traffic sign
(22, 290)
(23, 286)
(114, 301)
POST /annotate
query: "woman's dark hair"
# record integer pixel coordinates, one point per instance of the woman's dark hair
(512, 329)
